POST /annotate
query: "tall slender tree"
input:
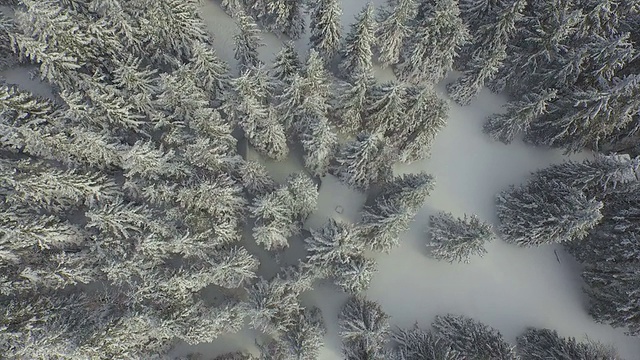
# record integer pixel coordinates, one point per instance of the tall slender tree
(326, 30)
(357, 52)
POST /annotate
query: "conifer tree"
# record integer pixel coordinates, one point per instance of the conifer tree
(385, 111)
(363, 326)
(519, 116)
(326, 30)
(351, 103)
(319, 143)
(547, 344)
(393, 29)
(358, 49)
(430, 52)
(233, 7)
(472, 339)
(304, 339)
(363, 162)
(210, 73)
(417, 343)
(455, 239)
(285, 17)
(247, 41)
(546, 211)
(286, 63)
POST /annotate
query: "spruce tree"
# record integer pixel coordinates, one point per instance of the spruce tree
(286, 63)
(326, 30)
(285, 17)
(363, 161)
(363, 326)
(385, 110)
(357, 52)
(247, 41)
(418, 344)
(319, 143)
(437, 35)
(455, 239)
(547, 344)
(393, 29)
(544, 212)
(351, 103)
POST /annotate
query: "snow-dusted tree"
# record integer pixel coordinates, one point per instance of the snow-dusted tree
(457, 239)
(592, 117)
(348, 113)
(427, 114)
(319, 144)
(472, 339)
(238, 355)
(233, 7)
(535, 344)
(363, 326)
(355, 274)
(385, 110)
(285, 17)
(272, 306)
(483, 66)
(408, 190)
(247, 41)
(325, 28)
(363, 161)
(286, 63)
(419, 344)
(304, 338)
(437, 35)
(255, 178)
(393, 28)
(546, 211)
(519, 116)
(209, 72)
(357, 52)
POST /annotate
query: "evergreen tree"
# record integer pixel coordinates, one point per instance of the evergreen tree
(247, 41)
(363, 162)
(286, 64)
(319, 143)
(483, 67)
(458, 239)
(519, 116)
(304, 339)
(418, 344)
(355, 274)
(209, 71)
(437, 35)
(393, 29)
(358, 49)
(408, 190)
(325, 28)
(385, 111)
(285, 17)
(233, 7)
(472, 339)
(547, 344)
(351, 103)
(363, 325)
(546, 211)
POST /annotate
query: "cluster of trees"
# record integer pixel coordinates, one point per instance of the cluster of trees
(592, 207)
(366, 334)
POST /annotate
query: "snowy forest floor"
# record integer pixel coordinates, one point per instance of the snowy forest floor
(510, 288)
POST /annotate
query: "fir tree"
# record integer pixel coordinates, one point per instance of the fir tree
(355, 274)
(326, 30)
(351, 103)
(546, 211)
(430, 52)
(304, 339)
(547, 344)
(247, 41)
(418, 344)
(363, 162)
(233, 7)
(319, 143)
(357, 52)
(519, 116)
(285, 16)
(408, 190)
(364, 325)
(210, 73)
(483, 67)
(455, 239)
(385, 111)
(393, 29)
(286, 63)
(472, 339)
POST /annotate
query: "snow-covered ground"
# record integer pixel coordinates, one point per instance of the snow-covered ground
(510, 288)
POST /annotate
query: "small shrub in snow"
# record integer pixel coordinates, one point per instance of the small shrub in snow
(457, 239)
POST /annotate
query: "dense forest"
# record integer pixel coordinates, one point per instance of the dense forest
(128, 213)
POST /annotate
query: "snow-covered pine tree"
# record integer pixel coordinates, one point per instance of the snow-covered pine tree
(546, 211)
(393, 29)
(233, 7)
(305, 337)
(472, 339)
(357, 52)
(427, 114)
(382, 224)
(418, 344)
(519, 116)
(286, 64)
(408, 190)
(591, 118)
(285, 17)
(457, 239)
(385, 111)
(255, 178)
(247, 41)
(437, 35)
(363, 325)
(354, 275)
(547, 344)
(319, 144)
(351, 103)
(209, 72)
(326, 30)
(363, 161)
(7, 57)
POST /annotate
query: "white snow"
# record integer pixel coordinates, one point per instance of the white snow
(510, 288)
